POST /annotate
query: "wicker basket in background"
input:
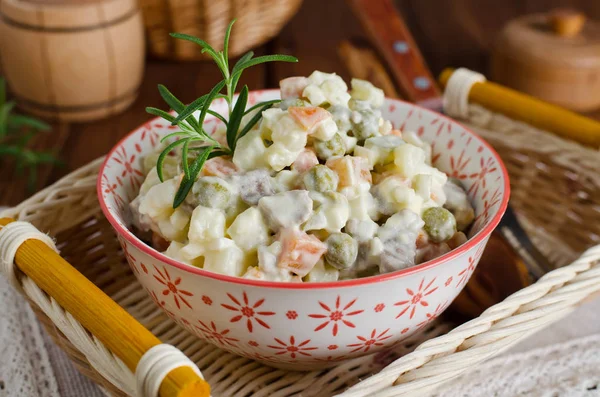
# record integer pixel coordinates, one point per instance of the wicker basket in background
(256, 22)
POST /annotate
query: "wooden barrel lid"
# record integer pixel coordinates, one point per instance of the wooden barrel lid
(560, 39)
(65, 15)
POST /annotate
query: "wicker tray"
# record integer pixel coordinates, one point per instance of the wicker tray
(556, 187)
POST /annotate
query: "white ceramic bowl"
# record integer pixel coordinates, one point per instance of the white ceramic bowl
(311, 325)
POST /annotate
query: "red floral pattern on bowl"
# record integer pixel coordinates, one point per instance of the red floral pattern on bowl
(312, 325)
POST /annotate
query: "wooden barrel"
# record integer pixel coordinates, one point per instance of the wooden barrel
(72, 60)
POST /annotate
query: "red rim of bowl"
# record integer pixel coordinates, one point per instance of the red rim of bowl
(475, 240)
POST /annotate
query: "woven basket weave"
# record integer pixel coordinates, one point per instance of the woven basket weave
(256, 22)
(556, 188)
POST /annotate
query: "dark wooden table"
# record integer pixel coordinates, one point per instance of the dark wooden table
(449, 32)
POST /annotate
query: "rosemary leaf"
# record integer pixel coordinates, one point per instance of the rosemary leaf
(188, 181)
(261, 104)
(236, 118)
(184, 157)
(205, 48)
(253, 121)
(174, 134)
(163, 154)
(175, 104)
(160, 113)
(226, 44)
(266, 58)
(217, 115)
(209, 98)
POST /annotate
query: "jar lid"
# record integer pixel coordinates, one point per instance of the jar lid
(562, 38)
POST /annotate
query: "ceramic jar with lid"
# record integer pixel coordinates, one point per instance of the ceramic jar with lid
(554, 56)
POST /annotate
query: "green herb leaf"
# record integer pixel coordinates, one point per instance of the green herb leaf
(175, 104)
(4, 115)
(205, 48)
(188, 110)
(189, 180)
(266, 58)
(258, 105)
(184, 157)
(174, 134)
(217, 115)
(163, 154)
(209, 98)
(226, 44)
(160, 113)
(18, 121)
(236, 118)
(253, 121)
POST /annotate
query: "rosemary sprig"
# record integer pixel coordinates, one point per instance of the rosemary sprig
(16, 132)
(197, 145)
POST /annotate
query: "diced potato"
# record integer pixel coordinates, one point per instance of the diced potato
(292, 87)
(351, 170)
(458, 203)
(383, 147)
(362, 230)
(224, 257)
(158, 201)
(249, 230)
(286, 209)
(286, 180)
(219, 166)
(206, 224)
(176, 251)
(394, 194)
(368, 154)
(151, 180)
(409, 159)
(305, 161)
(412, 138)
(322, 273)
(300, 252)
(422, 184)
(365, 91)
(331, 213)
(174, 228)
(250, 152)
(324, 130)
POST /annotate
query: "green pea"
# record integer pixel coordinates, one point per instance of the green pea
(365, 124)
(212, 192)
(333, 147)
(320, 179)
(440, 224)
(342, 250)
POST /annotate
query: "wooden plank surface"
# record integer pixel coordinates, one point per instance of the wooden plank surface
(449, 33)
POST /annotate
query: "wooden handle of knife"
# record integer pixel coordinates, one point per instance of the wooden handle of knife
(386, 28)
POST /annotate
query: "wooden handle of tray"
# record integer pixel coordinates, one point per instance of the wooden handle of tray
(111, 324)
(389, 33)
(538, 113)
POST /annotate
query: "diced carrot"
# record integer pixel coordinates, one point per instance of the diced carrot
(350, 170)
(219, 166)
(305, 161)
(396, 132)
(308, 117)
(292, 87)
(300, 252)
